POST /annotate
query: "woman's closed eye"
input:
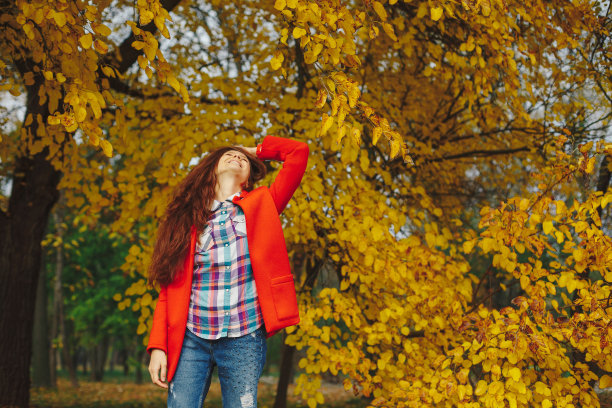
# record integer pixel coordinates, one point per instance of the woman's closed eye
(237, 156)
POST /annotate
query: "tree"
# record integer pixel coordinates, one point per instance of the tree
(54, 51)
(419, 115)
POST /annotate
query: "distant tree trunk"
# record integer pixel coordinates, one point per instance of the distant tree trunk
(111, 360)
(284, 376)
(83, 355)
(124, 361)
(59, 328)
(143, 360)
(41, 371)
(98, 360)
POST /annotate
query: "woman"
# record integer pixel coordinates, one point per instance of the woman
(220, 298)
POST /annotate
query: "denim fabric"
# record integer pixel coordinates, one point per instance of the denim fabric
(239, 360)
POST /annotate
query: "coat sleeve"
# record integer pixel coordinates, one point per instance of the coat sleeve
(159, 332)
(294, 155)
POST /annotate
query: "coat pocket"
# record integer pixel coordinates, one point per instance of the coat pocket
(285, 300)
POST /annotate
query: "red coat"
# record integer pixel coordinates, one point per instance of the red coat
(269, 259)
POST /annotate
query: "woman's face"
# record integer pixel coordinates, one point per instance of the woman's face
(235, 162)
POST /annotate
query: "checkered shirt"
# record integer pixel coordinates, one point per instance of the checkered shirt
(223, 298)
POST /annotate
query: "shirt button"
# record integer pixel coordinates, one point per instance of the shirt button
(226, 313)
(227, 290)
(226, 244)
(222, 222)
(228, 267)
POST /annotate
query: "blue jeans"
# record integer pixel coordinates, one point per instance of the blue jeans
(240, 362)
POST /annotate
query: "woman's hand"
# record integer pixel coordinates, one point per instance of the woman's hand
(250, 150)
(158, 362)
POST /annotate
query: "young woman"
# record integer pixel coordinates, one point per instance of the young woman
(221, 261)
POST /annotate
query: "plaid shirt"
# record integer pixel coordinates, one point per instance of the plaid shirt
(223, 298)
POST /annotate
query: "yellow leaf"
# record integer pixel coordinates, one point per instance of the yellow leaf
(280, 4)
(481, 388)
(108, 71)
(277, 60)
(376, 134)
(174, 83)
(107, 148)
(60, 18)
(102, 30)
(605, 381)
(341, 133)
(86, 41)
(353, 95)
(292, 3)
(547, 226)
(145, 17)
(468, 246)
(146, 299)
(321, 98)
(436, 13)
(298, 32)
(515, 373)
(389, 30)
(81, 114)
(48, 75)
(546, 403)
(101, 46)
(326, 123)
(395, 147)
(356, 135)
(380, 10)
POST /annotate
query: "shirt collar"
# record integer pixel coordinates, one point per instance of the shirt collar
(216, 204)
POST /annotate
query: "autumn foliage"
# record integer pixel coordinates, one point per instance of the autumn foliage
(451, 234)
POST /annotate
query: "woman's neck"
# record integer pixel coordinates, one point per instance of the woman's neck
(226, 186)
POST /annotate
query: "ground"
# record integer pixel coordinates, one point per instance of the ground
(130, 395)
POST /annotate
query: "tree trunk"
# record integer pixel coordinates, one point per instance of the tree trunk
(41, 371)
(98, 359)
(143, 360)
(69, 351)
(33, 193)
(124, 361)
(284, 376)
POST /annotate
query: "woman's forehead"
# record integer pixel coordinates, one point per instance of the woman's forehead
(235, 151)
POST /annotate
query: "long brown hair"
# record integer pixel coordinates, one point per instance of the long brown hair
(190, 205)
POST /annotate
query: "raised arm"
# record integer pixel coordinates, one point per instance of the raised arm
(294, 155)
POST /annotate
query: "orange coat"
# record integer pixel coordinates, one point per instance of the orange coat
(267, 249)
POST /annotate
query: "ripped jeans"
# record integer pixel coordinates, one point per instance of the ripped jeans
(240, 362)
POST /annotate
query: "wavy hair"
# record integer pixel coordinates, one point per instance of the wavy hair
(190, 206)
